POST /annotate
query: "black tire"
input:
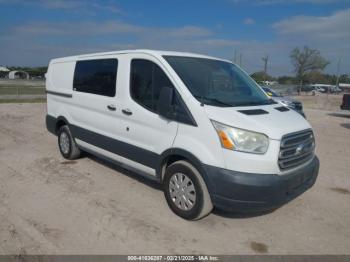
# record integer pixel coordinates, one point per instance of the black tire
(73, 152)
(202, 205)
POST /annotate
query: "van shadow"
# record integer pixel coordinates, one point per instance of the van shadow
(343, 115)
(148, 181)
(237, 215)
(346, 125)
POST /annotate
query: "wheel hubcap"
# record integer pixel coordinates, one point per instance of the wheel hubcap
(182, 191)
(64, 142)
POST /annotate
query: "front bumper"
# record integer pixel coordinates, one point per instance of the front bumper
(246, 192)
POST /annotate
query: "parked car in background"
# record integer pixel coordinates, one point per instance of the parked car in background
(346, 102)
(285, 100)
(322, 88)
(319, 88)
(315, 87)
(306, 88)
(336, 90)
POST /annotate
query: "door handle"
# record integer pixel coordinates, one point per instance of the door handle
(127, 112)
(111, 107)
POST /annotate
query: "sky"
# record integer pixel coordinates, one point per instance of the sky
(34, 31)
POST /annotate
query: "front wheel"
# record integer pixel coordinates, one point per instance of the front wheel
(67, 145)
(186, 192)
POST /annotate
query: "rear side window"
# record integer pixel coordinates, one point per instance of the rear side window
(96, 77)
(147, 79)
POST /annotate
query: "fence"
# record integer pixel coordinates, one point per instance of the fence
(22, 89)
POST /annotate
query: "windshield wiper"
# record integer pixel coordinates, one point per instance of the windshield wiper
(271, 102)
(258, 103)
(214, 100)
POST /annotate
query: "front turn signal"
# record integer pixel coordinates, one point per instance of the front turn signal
(225, 140)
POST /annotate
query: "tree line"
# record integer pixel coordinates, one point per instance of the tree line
(309, 78)
(308, 68)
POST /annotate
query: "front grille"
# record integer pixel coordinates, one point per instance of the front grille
(296, 149)
(298, 106)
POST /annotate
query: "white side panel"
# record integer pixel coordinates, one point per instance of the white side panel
(143, 128)
(60, 77)
(90, 112)
(202, 142)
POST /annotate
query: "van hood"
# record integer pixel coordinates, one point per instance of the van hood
(274, 123)
(285, 98)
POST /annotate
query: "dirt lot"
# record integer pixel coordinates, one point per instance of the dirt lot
(51, 206)
(330, 102)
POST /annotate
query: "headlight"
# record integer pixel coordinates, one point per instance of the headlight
(241, 140)
(287, 103)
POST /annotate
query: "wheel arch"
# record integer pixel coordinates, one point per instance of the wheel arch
(175, 154)
(60, 121)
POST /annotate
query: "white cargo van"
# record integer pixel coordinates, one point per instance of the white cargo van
(197, 124)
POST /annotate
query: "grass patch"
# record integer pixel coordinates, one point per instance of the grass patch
(22, 90)
(22, 101)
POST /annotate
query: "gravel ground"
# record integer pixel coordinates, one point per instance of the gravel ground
(329, 102)
(52, 206)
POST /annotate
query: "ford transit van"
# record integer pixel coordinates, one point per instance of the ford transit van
(198, 125)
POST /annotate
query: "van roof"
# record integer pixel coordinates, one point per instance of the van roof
(135, 51)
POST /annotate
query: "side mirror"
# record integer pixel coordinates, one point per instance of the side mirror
(165, 102)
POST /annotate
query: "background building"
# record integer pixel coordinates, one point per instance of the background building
(18, 75)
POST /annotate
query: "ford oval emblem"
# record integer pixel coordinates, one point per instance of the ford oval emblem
(299, 149)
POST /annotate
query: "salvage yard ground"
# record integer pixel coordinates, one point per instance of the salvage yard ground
(52, 206)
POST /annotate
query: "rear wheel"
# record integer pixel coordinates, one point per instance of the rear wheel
(186, 192)
(67, 145)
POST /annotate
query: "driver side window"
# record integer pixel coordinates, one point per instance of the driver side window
(146, 81)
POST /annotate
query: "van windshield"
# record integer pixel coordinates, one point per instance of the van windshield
(270, 92)
(218, 83)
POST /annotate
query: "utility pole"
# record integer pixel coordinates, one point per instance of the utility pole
(235, 56)
(266, 60)
(338, 72)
